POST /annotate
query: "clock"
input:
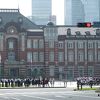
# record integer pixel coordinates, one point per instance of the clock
(20, 19)
(11, 29)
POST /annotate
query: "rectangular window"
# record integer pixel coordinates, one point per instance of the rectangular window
(1, 71)
(70, 45)
(61, 56)
(98, 44)
(11, 45)
(41, 44)
(80, 56)
(35, 57)
(51, 56)
(90, 71)
(41, 56)
(90, 56)
(61, 45)
(29, 56)
(11, 56)
(98, 55)
(70, 74)
(90, 45)
(51, 69)
(14, 72)
(35, 43)
(70, 56)
(29, 43)
(50, 33)
(51, 44)
(61, 72)
(80, 71)
(80, 45)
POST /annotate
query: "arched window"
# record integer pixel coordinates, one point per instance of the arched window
(11, 43)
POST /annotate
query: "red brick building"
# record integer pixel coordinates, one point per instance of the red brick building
(16, 53)
(62, 52)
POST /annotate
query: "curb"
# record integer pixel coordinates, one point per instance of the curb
(29, 87)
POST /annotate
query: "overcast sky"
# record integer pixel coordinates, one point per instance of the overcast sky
(25, 7)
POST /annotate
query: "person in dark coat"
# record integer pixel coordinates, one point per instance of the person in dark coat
(43, 82)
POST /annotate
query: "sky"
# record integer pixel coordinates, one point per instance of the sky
(25, 8)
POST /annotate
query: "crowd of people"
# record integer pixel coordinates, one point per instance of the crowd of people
(34, 82)
(87, 81)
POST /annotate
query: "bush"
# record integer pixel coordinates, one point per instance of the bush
(98, 90)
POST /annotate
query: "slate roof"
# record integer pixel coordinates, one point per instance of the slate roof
(13, 15)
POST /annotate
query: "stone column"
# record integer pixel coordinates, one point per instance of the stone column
(95, 50)
(75, 52)
(22, 41)
(66, 52)
(86, 52)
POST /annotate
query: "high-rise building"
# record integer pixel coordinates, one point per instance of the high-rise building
(74, 12)
(92, 10)
(52, 19)
(41, 11)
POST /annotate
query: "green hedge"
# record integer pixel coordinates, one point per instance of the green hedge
(98, 90)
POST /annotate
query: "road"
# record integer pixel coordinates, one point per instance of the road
(47, 94)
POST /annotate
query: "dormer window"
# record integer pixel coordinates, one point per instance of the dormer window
(88, 33)
(68, 31)
(97, 31)
(78, 33)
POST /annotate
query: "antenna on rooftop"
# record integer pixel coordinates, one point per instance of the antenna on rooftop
(18, 4)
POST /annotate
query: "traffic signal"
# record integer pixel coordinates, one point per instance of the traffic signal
(87, 24)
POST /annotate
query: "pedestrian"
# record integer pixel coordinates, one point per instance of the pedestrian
(53, 82)
(65, 83)
(43, 82)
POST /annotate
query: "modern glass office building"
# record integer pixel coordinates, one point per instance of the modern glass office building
(41, 11)
(74, 12)
(92, 10)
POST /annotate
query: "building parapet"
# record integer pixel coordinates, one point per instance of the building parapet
(9, 10)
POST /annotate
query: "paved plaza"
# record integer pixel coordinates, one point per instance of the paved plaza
(48, 93)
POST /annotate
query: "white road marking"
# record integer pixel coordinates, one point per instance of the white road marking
(60, 96)
(82, 96)
(38, 97)
(36, 93)
(15, 98)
